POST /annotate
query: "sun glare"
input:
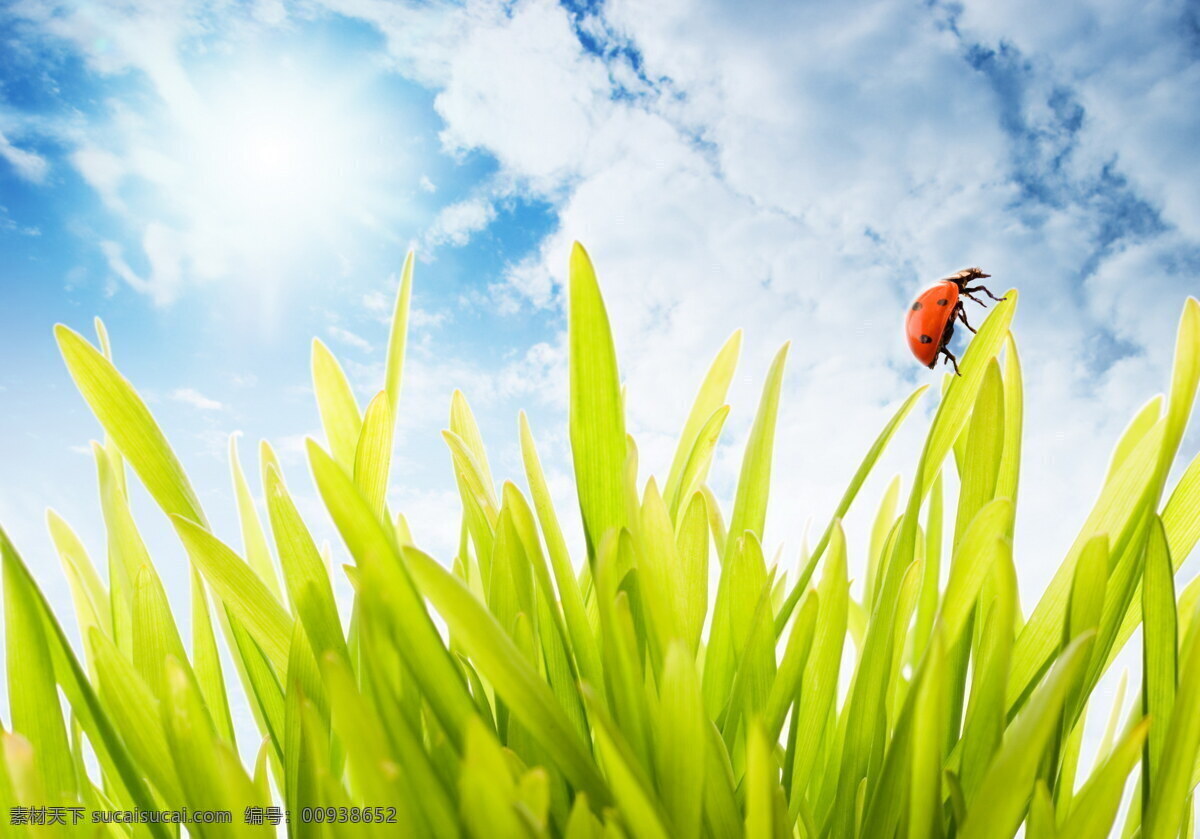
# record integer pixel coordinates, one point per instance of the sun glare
(278, 159)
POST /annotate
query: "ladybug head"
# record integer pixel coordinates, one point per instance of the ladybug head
(965, 276)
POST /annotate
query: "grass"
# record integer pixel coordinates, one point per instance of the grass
(528, 688)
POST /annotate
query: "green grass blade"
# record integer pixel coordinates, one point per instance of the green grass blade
(32, 695)
(92, 605)
(308, 585)
(786, 686)
(692, 545)
(398, 337)
(387, 582)
(597, 415)
(499, 660)
(754, 482)
(856, 482)
(1011, 775)
(695, 471)
(986, 717)
(930, 709)
(1095, 805)
(760, 785)
(709, 401)
(254, 539)
(240, 589)
(128, 421)
(155, 635)
(985, 449)
(1173, 783)
(1160, 650)
(583, 642)
(372, 457)
(340, 415)
(207, 661)
(1008, 475)
(681, 726)
(132, 706)
(634, 795)
(1042, 633)
(110, 751)
(821, 671)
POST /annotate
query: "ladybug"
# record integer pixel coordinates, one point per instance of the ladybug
(929, 323)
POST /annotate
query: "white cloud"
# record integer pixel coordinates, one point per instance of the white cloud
(28, 165)
(426, 184)
(456, 222)
(352, 339)
(376, 302)
(190, 396)
(164, 253)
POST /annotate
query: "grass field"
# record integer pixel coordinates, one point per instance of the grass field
(530, 688)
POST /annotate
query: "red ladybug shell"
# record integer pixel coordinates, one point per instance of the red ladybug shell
(927, 318)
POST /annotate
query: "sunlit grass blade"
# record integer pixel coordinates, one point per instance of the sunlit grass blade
(128, 421)
(129, 700)
(1095, 805)
(986, 712)
(155, 635)
(503, 665)
(1111, 514)
(631, 789)
(1008, 473)
(207, 662)
(682, 728)
(373, 455)
(785, 687)
(709, 401)
(398, 336)
(583, 642)
(340, 415)
(856, 482)
(692, 546)
(597, 415)
(388, 584)
(820, 680)
(1010, 777)
(92, 606)
(754, 481)
(309, 588)
(760, 786)
(240, 589)
(111, 753)
(254, 539)
(1172, 784)
(32, 693)
(1160, 651)
(985, 448)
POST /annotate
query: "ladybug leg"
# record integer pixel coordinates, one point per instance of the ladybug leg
(951, 359)
(967, 293)
(985, 290)
(961, 312)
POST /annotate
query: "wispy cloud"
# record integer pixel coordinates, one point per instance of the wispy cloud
(352, 339)
(190, 396)
(29, 165)
(455, 223)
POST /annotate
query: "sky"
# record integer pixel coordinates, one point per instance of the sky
(220, 182)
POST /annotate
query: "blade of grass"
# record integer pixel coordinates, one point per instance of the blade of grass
(597, 415)
(128, 421)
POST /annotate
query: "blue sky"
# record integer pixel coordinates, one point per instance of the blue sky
(220, 182)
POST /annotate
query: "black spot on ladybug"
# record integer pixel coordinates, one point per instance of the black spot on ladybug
(943, 302)
(917, 306)
(925, 339)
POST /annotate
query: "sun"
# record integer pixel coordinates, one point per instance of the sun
(275, 158)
